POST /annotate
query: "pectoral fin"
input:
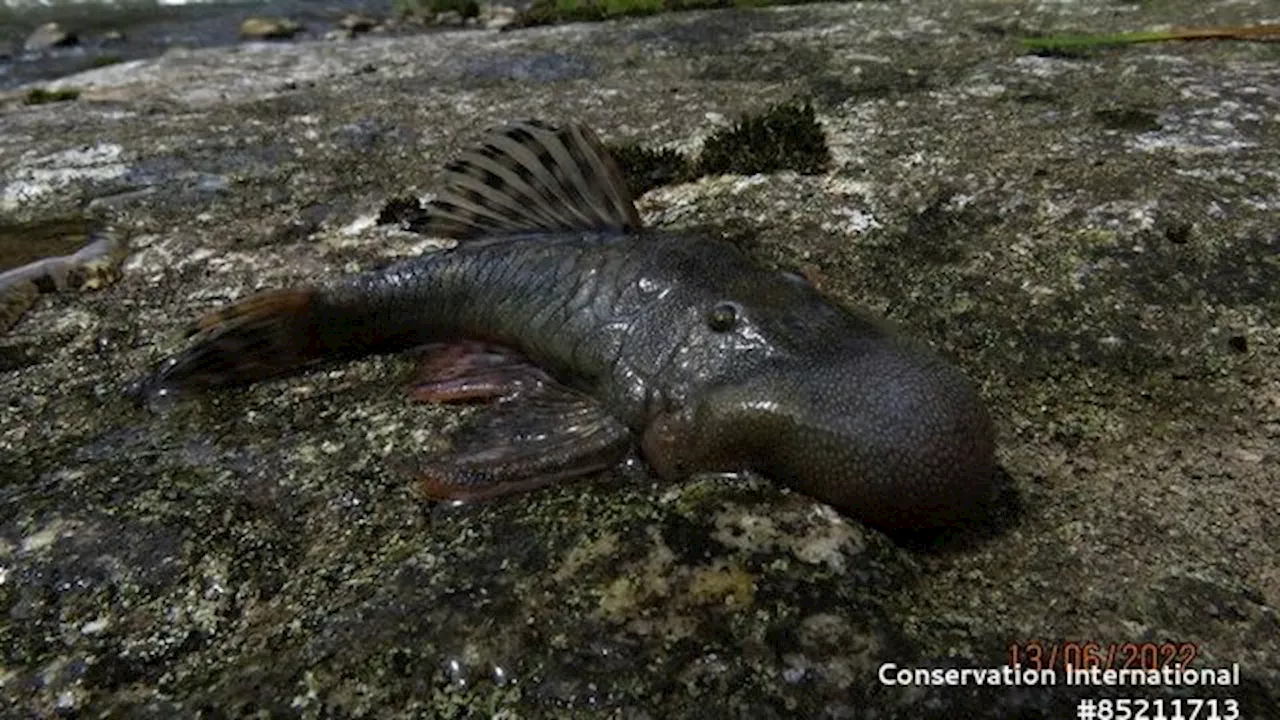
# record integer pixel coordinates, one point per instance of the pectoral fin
(534, 438)
(466, 371)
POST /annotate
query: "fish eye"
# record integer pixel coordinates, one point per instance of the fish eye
(723, 317)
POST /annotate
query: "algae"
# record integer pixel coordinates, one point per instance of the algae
(42, 96)
(784, 136)
(548, 12)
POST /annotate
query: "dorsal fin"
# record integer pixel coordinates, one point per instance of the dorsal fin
(532, 177)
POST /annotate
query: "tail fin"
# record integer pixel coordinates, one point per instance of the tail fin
(264, 336)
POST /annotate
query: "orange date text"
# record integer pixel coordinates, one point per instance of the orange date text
(1089, 654)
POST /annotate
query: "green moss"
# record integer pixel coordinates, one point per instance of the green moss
(614, 8)
(403, 210)
(1134, 120)
(547, 12)
(647, 169)
(105, 60)
(40, 96)
(787, 136)
(428, 9)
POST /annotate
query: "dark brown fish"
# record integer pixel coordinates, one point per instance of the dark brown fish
(598, 333)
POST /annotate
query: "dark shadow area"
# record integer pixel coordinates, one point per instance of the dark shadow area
(990, 520)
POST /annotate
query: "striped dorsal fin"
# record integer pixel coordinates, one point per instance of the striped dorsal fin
(532, 177)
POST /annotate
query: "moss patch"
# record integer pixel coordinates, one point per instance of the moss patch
(40, 96)
(646, 169)
(784, 137)
(429, 9)
(1135, 120)
(549, 12)
(105, 60)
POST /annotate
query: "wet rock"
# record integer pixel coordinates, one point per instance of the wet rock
(49, 35)
(449, 18)
(357, 22)
(496, 17)
(268, 28)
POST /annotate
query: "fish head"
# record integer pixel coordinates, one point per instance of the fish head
(882, 430)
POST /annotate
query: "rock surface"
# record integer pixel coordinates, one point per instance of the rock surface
(268, 28)
(48, 35)
(1093, 238)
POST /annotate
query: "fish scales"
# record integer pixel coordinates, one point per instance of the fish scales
(601, 336)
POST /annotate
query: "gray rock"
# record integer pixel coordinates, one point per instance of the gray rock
(357, 22)
(1092, 238)
(448, 18)
(49, 35)
(268, 28)
(496, 17)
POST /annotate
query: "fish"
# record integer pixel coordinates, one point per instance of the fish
(92, 267)
(589, 337)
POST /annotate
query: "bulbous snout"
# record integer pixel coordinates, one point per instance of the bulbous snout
(891, 435)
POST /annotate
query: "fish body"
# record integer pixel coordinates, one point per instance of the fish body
(91, 267)
(599, 334)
